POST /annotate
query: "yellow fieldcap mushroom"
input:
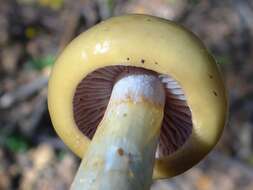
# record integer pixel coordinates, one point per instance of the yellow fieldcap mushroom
(133, 92)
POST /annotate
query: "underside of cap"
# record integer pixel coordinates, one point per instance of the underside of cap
(93, 93)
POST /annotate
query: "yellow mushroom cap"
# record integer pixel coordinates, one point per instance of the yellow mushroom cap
(153, 44)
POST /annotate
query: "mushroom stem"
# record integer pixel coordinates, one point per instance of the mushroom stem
(122, 152)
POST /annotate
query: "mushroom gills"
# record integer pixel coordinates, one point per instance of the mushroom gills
(92, 97)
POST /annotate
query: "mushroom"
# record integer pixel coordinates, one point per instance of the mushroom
(138, 98)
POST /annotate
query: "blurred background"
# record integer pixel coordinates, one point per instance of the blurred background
(33, 32)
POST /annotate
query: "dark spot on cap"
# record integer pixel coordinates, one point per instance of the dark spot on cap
(124, 115)
(128, 58)
(120, 151)
(215, 93)
(156, 63)
(210, 76)
(142, 61)
(148, 19)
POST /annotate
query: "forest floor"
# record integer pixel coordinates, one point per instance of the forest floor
(33, 32)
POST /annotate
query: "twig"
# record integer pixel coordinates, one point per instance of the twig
(245, 11)
(23, 92)
(71, 17)
(105, 11)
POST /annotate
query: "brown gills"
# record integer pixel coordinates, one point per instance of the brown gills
(93, 93)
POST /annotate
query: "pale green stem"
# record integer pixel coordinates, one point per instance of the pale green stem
(122, 153)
